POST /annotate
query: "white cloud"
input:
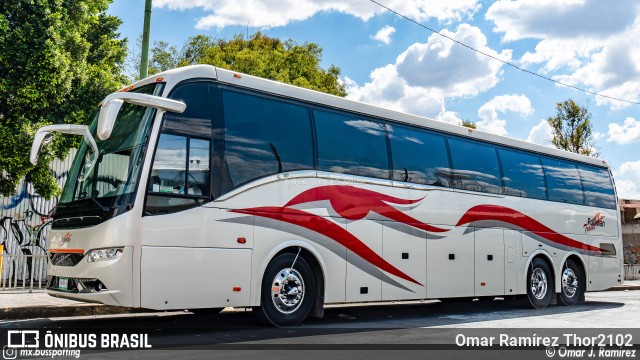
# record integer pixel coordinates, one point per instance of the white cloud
(387, 89)
(627, 178)
(426, 74)
(560, 19)
(269, 13)
(488, 113)
(626, 133)
(591, 41)
(541, 134)
(444, 65)
(384, 35)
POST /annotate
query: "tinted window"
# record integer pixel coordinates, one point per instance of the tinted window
(475, 166)
(563, 181)
(351, 144)
(522, 174)
(196, 118)
(264, 137)
(598, 189)
(419, 156)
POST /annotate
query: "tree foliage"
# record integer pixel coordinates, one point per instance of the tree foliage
(58, 60)
(572, 129)
(468, 124)
(260, 55)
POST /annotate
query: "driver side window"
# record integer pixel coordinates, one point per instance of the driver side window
(180, 175)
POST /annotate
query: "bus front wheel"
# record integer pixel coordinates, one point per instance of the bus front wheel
(573, 284)
(540, 285)
(287, 292)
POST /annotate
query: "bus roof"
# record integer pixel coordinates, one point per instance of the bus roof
(174, 76)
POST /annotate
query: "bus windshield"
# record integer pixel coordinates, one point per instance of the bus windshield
(114, 178)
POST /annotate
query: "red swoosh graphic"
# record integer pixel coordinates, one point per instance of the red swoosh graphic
(353, 203)
(507, 215)
(328, 229)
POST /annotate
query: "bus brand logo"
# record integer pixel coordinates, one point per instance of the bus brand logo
(64, 240)
(597, 220)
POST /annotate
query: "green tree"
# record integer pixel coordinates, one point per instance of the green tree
(260, 55)
(468, 124)
(572, 129)
(58, 59)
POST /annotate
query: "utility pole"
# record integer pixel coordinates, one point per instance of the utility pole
(144, 59)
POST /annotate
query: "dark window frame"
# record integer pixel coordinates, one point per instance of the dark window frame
(198, 199)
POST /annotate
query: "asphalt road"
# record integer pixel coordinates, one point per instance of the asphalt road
(382, 329)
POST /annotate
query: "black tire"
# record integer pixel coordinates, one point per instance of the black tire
(572, 283)
(294, 312)
(538, 294)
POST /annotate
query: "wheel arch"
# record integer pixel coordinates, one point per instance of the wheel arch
(546, 257)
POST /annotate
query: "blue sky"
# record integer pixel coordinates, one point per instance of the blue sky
(389, 61)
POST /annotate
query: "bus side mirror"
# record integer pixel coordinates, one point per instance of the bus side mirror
(112, 103)
(44, 135)
(42, 138)
(107, 117)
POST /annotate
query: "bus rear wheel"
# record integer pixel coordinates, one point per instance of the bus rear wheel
(573, 284)
(287, 292)
(539, 285)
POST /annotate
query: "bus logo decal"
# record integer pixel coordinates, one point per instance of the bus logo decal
(596, 220)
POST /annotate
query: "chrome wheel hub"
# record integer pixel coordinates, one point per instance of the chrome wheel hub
(569, 282)
(538, 283)
(287, 290)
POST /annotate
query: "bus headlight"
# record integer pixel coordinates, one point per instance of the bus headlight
(104, 254)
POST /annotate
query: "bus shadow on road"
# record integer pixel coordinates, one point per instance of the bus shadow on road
(368, 323)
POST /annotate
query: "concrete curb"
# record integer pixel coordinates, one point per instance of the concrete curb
(624, 287)
(57, 311)
(35, 312)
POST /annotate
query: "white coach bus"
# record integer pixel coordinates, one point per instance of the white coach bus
(204, 188)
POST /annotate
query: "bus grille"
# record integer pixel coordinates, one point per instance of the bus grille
(66, 259)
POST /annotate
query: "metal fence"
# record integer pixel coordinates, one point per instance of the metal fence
(25, 220)
(23, 272)
(632, 271)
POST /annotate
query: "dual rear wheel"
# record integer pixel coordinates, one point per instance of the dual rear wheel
(541, 285)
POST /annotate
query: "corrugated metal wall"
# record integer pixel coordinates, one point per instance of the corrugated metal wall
(25, 220)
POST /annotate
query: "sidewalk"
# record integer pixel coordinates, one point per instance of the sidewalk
(19, 304)
(23, 305)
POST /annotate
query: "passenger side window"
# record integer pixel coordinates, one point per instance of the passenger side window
(563, 181)
(419, 156)
(598, 188)
(264, 136)
(522, 174)
(475, 166)
(351, 144)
